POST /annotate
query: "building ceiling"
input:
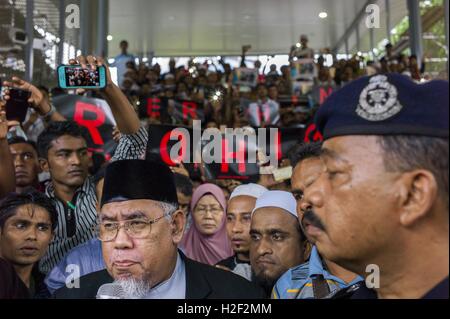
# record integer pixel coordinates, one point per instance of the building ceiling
(221, 27)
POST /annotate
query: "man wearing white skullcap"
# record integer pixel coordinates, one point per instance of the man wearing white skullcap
(277, 242)
(239, 211)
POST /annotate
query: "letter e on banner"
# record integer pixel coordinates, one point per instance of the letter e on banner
(153, 107)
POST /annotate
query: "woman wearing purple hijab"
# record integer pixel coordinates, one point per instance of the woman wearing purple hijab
(206, 241)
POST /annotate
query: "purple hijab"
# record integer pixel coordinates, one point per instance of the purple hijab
(207, 249)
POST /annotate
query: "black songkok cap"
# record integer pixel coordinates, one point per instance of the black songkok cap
(139, 179)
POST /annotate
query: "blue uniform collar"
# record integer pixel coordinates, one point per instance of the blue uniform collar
(316, 268)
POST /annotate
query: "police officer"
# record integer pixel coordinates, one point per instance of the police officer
(382, 198)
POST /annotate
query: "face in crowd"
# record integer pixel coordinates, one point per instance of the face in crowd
(277, 244)
(208, 215)
(144, 247)
(304, 175)
(64, 153)
(361, 207)
(239, 216)
(26, 164)
(27, 222)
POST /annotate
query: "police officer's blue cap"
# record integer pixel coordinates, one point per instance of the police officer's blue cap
(386, 105)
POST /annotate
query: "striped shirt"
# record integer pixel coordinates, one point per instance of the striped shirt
(77, 226)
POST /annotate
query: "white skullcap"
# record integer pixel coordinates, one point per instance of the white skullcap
(279, 199)
(252, 190)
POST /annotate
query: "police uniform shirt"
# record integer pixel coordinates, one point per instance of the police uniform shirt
(297, 283)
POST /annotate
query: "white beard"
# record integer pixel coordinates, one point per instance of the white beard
(134, 288)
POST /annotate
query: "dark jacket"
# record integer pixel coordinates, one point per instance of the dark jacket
(11, 287)
(202, 282)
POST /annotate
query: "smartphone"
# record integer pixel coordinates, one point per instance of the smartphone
(17, 105)
(75, 77)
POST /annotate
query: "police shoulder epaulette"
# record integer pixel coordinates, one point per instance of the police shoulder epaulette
(300, 272)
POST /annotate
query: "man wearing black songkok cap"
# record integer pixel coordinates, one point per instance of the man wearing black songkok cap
(140, 228)
(383, 195)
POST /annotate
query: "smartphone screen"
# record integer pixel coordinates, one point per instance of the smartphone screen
(75, 77)
(17, 105)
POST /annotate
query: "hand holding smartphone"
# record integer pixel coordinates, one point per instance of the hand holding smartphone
(17, 105)
(20, 95)
(77, 77)
(89, 72)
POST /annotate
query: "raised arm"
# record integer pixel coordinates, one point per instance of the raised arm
(7, 177)
(127, 120)
(37, 100)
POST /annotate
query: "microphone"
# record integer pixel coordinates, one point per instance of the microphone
(111, 291)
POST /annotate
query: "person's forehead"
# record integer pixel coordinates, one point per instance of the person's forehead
(241, 204)
(308, 167)
(272, 217)
(20, 148)
(31, 213)
(123, 209)
(353, 149)
(69, 142)
(208, 199)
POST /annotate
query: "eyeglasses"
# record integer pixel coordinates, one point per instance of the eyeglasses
(202, 210)
(135, 228)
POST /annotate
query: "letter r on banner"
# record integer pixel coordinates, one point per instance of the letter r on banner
(189, 108)
(81, 109)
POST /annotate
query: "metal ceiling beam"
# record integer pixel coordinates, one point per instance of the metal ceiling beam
(415, 29)
(352, 26)
(29, 53)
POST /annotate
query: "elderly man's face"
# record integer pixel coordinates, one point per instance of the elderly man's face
(276, 244)
(151, 258)
(354, 202)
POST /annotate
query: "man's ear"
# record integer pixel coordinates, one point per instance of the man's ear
(43, 164)
(418, 193)
(177, 226)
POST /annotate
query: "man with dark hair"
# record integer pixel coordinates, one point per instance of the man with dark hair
(64, 154)
(184, 191)
(26, 163)
(239, 215)
(319, 277)
(383, 196)
(27, 225)
(121, 60)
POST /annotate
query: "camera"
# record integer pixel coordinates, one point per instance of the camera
(18, 36)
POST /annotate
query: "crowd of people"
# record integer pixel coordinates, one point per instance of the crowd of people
(276, 98)
(372, 195)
